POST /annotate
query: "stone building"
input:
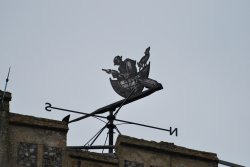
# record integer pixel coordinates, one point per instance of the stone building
(28, 141)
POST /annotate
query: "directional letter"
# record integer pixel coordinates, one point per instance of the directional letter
(174, 131)
(48, 107)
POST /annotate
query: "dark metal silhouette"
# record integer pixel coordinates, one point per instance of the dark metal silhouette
(229, 164)
(127, 78)
(143, 62)
(129, 83)
(110, 125)
(117, 104)
(5, 88)
(66, 119)
(170, 130)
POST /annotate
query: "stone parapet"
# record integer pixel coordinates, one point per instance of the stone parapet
(36, 141)
(149, 153)
(25, 120)
(76, 158)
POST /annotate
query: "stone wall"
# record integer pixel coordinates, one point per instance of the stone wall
(4, 127)
(36, 142)
(132, 152)
(78, 158)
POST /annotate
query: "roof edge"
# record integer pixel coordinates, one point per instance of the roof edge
(92, 156)
(25, 120)
(165, 147)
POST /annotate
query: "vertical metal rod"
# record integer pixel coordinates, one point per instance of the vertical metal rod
(111, 130)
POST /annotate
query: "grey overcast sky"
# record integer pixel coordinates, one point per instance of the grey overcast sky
(200, 52)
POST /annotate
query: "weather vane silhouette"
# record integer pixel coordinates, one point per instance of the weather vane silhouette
(129, 83)
(128, 78)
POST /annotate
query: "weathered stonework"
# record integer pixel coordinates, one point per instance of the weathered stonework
(4, 128)
(48, 135)
(52, 157)
(78, 158)
(27, 155)
(132, 164)
(162, 154)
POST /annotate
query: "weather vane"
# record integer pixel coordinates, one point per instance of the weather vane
(129, 83)
(130, 80)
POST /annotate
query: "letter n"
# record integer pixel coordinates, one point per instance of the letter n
(173, 131)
